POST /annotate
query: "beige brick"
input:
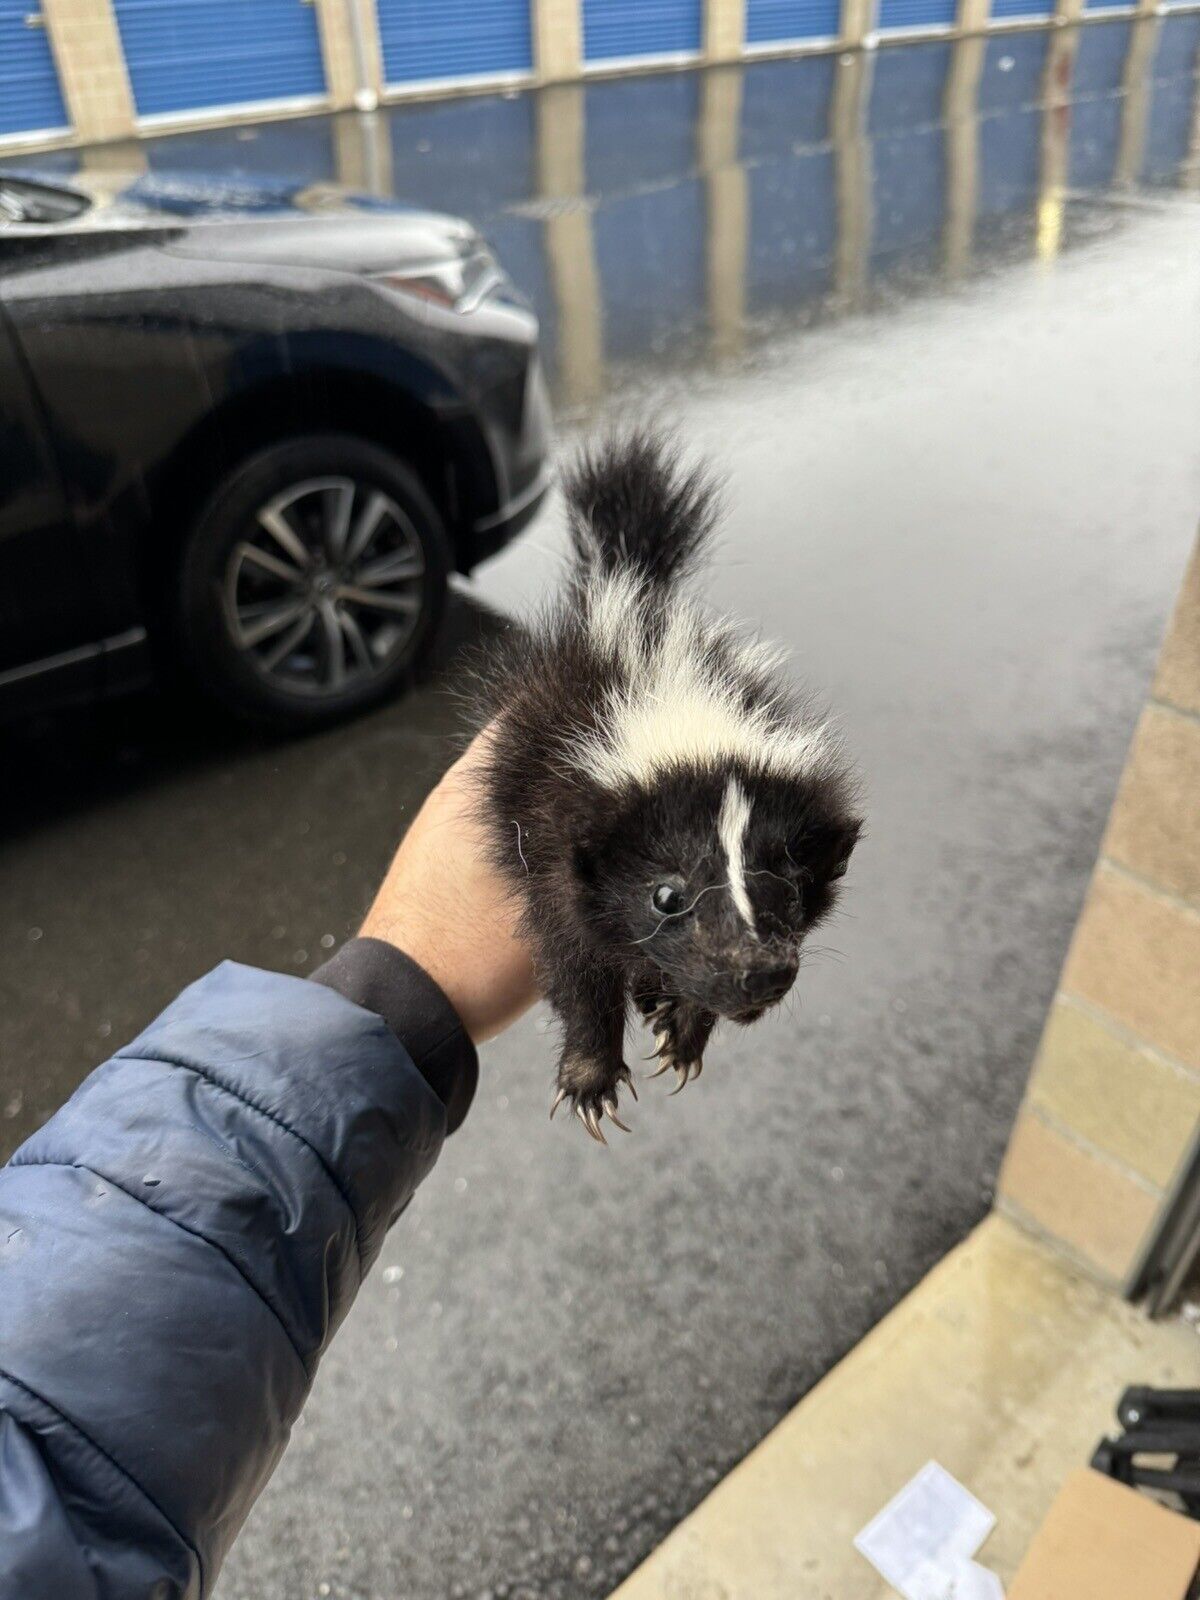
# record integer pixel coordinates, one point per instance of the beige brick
(1130, 1103)
(1155, 825)
(1178, 677)
(1136, 955)
(1092, 1207)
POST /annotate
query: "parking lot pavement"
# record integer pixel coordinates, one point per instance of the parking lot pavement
(962, 482)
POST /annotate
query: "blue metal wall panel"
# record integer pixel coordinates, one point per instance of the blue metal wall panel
(433, 39)
(613, 29)
(1106, 5)
(188, 55)
(903, 14)
(650, 261)
(1006, 10)
(793, 231)
(784, 104)
(768, 21)
(30, 98)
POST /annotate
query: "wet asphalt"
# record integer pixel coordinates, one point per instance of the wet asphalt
(933, 311)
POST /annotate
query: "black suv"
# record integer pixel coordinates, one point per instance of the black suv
(248, 431)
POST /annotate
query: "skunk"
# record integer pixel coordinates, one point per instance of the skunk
(672, 817)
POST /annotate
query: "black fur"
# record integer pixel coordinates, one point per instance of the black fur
(586, 855)
(636, 504)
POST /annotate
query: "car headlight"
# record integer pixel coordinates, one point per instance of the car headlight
(456, 283)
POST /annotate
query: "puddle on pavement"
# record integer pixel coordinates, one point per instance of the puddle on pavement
(685, 215)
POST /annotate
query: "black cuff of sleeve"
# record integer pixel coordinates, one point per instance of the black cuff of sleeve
(382, 979)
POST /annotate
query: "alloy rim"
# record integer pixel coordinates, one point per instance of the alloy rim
(326, 588)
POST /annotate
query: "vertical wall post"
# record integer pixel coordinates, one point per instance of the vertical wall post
(337, 51)
(1068, 10)
(91, 68)
(973, 16)
(724, 30)
(557, 39)
(368, 53)
(858, 22)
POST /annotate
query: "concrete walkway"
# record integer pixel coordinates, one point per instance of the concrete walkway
(1004, 1365)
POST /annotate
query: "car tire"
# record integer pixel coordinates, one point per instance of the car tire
(312, 582)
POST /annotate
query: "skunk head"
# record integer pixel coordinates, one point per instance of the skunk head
(717, 878)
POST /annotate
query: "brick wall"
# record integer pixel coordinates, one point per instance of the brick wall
(1114, 1099)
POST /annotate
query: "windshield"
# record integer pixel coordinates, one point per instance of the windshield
(23, 201)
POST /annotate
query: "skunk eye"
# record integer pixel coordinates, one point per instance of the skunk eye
(667, 900)
(840, 870)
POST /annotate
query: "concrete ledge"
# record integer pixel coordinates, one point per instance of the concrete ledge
(1004, 1365)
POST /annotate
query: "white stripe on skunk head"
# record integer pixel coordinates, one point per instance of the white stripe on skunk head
(690, 693)
(731, 831)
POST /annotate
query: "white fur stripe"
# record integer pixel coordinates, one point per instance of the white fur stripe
(731, 830)
(680, 701)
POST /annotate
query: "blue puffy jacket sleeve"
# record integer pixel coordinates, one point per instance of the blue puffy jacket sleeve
(177, 1247)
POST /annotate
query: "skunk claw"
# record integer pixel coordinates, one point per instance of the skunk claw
(660, 1069)
(592, 1102)
(685, 1071)
(626, 1077)
(591, 1122)
(610, 1110)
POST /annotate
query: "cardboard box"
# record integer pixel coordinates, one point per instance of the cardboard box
(1104, 1541)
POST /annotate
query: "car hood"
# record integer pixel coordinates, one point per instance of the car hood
(247, 217)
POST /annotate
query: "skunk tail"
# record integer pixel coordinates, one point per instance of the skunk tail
(635, 505)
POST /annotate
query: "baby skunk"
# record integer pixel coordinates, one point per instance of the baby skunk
(672, 817)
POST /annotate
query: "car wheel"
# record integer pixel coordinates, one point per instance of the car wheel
(312, 582)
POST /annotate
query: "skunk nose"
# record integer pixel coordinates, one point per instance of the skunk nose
(766, 984)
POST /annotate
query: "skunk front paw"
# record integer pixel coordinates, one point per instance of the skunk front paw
(589, 1086)
(681, 1032)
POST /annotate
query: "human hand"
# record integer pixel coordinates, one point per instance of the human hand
(445, 905)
